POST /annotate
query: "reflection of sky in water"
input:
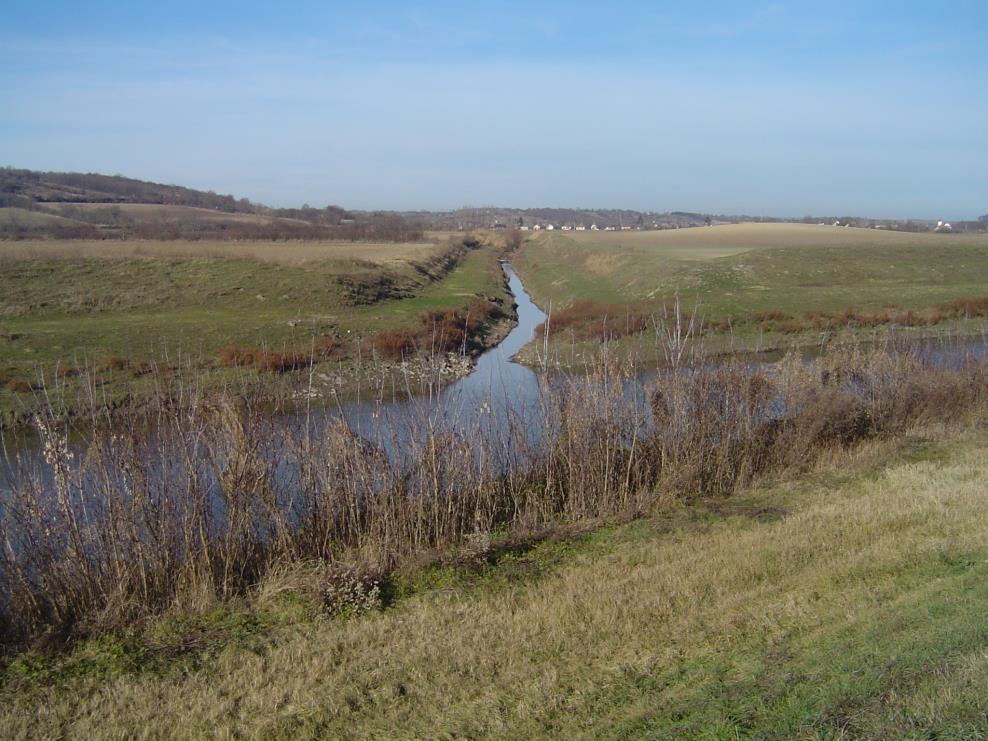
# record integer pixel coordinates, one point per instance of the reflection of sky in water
(496, 376)
(499, 397)
(500, 401)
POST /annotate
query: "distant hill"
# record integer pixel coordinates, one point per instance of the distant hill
(93, 206)
(16, 186)
(67, 205)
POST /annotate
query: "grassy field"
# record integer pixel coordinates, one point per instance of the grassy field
(9, 216)
(740, 270)
(76, 303)
(850, 603)
(165, 212)
(143, 213)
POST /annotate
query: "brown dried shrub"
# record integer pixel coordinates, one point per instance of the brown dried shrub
(773, 315)
(234, 356)
(263, 359)
(966, 307)
(18, 385)
(114, 362)
(395, 344)
(589, 320)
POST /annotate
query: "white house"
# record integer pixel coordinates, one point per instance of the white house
(523, 228)
(537, 227)
(566, 228)
(580, 228)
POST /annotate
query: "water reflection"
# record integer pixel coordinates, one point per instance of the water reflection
(497, 396)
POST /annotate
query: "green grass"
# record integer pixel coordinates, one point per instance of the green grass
(745, 268)
(734, 272)
(23, 217)
(850, 603)
(76, 303)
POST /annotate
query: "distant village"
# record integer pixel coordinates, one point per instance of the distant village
(625, 220)
(573, 227)
(941, 226)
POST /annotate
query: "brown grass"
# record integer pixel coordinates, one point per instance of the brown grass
(18, 385)
(136, 523)
(395, 344)
(440, 331)
(966, 307)
(589, 320)
(264, 359)
(114, 362)
(770, 316)
(281, 252)
(680, 621)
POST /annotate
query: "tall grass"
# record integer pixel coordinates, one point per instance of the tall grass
(199, 497)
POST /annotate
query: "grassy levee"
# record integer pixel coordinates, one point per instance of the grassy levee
(764, 284)
(118, 308)
(848, 603)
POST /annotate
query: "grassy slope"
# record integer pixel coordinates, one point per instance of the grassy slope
(67, 213)
(735, 270)
(164, 212)
(71, 302)
(844, 604)
(21, 216)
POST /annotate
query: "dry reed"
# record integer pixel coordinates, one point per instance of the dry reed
(199, 497)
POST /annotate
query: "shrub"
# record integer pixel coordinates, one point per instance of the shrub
(264, 360)
(587, 320)
(327, 347)
(395, 344)
(349, 593)
(773, 315)
(272, 361)
(966, 307)
(114, 362)
(19, 386)
(233, 356)
(194, 498)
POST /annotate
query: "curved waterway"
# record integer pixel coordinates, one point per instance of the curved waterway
(497, 393)
(499, 400)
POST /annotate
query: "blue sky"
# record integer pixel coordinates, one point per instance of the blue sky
(760, 108)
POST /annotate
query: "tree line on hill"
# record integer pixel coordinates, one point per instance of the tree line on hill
(72, 197)
(76, 187)
(88, 206)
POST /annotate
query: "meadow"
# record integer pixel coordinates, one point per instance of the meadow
(759, 284)
(123, 307)
(773, 550)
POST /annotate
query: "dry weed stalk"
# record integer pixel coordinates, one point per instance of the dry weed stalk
(201, 497)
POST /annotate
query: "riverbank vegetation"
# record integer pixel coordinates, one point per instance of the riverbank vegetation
(760, 286)
(721, 548)
(787, 533)
(114, 316)
(201, 496)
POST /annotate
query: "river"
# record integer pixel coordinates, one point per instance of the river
(497, 391)
(499, 399)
